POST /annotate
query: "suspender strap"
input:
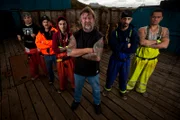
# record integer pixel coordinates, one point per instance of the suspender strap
(117, 34)
(130, 34)
(159, 32)
(147, 34)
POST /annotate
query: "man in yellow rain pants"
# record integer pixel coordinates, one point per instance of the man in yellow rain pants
(152, 38)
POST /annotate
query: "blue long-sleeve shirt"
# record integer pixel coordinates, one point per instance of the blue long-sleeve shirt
(119, 44)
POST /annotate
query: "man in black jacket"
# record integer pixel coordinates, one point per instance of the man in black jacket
(123, 42)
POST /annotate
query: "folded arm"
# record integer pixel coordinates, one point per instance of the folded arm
(164, 40)
(97, 51)
(143, 40)
(76, 52)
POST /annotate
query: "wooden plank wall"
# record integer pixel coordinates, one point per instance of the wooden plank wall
(103, 17)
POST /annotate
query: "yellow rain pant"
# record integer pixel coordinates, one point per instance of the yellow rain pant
(142, 68)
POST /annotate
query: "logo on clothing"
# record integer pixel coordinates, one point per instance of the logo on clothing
(127, 39)
(28, 31)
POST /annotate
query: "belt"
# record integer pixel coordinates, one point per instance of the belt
(62, 59)
(146, 58)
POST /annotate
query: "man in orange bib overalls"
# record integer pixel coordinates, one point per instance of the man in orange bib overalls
(65, 64)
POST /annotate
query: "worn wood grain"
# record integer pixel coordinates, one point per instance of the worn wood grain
(27, 106)
(37, 102)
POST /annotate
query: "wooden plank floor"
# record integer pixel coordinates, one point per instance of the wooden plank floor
(36, 100)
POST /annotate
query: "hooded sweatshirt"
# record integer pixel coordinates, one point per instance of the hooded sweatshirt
(59, 39)
(119, 44)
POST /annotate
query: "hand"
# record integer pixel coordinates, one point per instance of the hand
(63, 49)
(19, 37)
(38, 49)
(129, 45)
(33, 35)
(27, 49)
(158, 41)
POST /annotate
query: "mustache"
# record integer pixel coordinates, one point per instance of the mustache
(88, 24)
(125, 24)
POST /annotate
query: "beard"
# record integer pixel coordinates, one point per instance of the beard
(124, 25)
(88, 27)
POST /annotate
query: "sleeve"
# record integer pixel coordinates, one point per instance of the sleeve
(115, 45)
(54, 43)
(40, 43)
(134, 42)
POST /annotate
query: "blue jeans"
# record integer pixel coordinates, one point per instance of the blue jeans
(50, 59)
(93, 81)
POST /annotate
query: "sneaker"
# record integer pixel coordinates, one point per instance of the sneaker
(74, 105)
(123, 95)
(145, 94)
(105, 93)
(97, 109)
(59, 91)
(34, 78)
(127, 91)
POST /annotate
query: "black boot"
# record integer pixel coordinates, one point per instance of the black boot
(123, 95)
(97, 109)
(74, 105)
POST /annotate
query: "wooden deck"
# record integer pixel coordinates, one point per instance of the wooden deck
(36, 100)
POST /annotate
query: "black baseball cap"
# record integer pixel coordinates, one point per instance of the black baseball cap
(126, 13)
